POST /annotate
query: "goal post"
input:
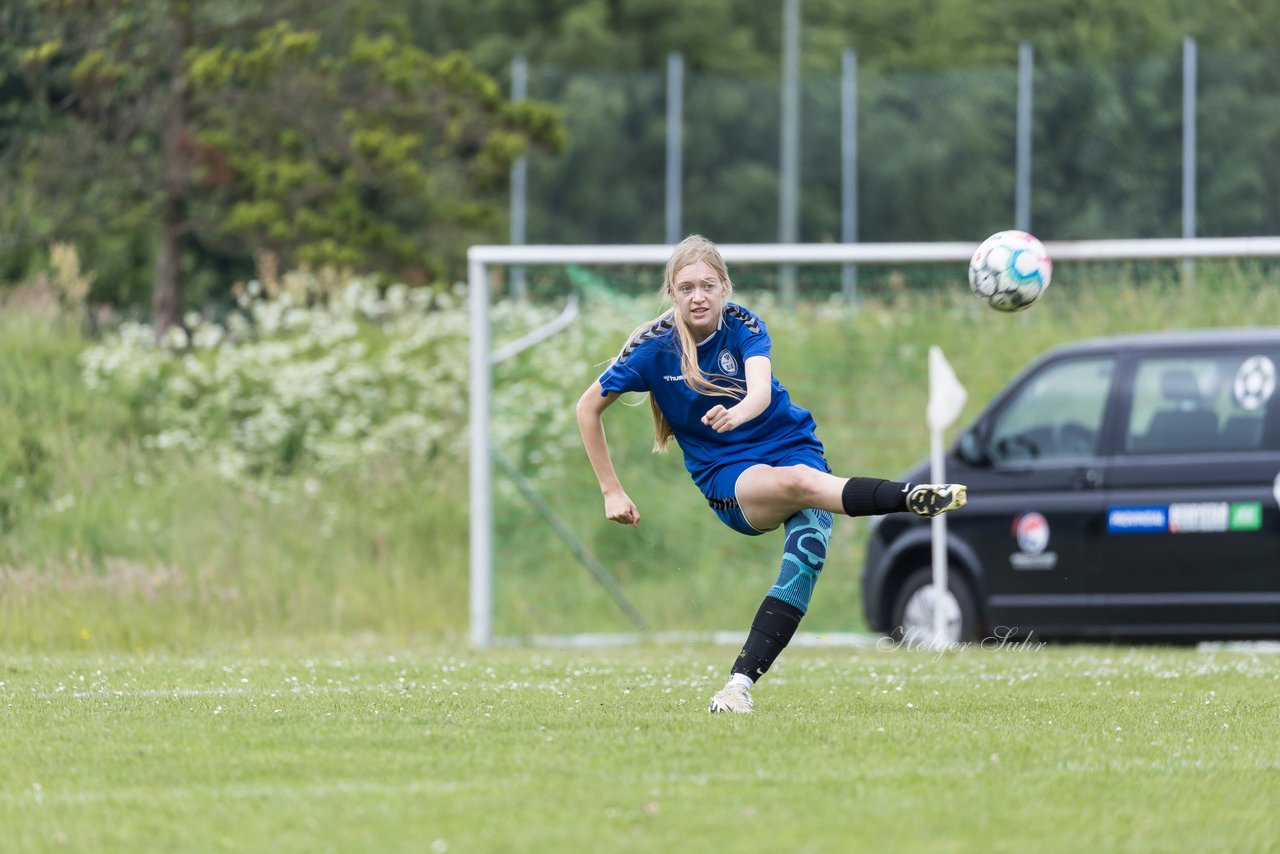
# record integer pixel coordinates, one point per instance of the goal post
(481, 260)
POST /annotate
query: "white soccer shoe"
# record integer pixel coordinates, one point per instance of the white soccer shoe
(930, 499)
(732, 698)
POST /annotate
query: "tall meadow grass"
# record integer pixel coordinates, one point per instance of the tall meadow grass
(302, 471)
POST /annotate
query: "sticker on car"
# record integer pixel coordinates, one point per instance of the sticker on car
(1200, 517)
(1138, 520)
(1194, 517)
(1031, 532)
(1255, 382)
(1246, 516)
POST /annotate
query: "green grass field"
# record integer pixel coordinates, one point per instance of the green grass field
(363, 747)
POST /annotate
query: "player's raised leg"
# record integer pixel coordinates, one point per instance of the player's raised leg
(769, 495)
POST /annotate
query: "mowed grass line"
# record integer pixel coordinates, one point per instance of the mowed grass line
(354, 749)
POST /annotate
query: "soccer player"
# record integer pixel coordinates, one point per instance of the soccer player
(754, 454)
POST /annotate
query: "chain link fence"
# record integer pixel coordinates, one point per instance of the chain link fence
(936, 153)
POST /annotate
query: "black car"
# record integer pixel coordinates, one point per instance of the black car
(1124, 486)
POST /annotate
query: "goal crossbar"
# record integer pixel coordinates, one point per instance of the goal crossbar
(481, 258)
(880, 253)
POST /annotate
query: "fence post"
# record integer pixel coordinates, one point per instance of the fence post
(1022, 167)
(675, 143)
(789, 191)
(1188, 144)
(519, 182)
(849, 168)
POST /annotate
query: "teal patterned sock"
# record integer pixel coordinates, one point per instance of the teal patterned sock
(803, 554)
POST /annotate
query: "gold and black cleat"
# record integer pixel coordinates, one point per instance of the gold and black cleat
(930, 499)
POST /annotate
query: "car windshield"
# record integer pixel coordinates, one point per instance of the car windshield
(1056, 414)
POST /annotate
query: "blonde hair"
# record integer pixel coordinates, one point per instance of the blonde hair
(691, 250)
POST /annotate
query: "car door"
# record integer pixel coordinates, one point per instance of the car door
(1037, 510)
(1192, 540)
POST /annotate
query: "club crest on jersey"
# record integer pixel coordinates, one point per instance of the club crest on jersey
(728, 364)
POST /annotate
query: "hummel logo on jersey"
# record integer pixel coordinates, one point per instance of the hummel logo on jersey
(676, 379)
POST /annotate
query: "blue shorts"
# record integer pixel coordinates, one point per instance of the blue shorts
(723, 494)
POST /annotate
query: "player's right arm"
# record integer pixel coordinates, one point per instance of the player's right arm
(618, 506)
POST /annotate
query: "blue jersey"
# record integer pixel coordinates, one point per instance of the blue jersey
(651, 362)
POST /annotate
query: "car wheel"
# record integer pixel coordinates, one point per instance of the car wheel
(912, 614)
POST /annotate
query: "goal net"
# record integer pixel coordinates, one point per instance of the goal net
(851, 342)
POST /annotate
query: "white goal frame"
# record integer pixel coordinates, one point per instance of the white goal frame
(481, 259)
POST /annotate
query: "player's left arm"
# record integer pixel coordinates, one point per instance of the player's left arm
(759, 372)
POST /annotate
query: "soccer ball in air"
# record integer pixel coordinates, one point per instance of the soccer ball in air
(1010, 270)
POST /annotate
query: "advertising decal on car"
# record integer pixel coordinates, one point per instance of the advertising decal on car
(1031, 532)
(1245, 516)
(1137, 520)
(1190, 518)
(1255, 382)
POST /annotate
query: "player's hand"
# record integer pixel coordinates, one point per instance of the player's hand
(723, 420)
(621, 509)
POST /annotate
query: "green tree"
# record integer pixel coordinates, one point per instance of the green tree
(391, 159)
(237, 126)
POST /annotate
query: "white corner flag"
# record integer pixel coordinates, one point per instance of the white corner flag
(946, 396)
(946, 399)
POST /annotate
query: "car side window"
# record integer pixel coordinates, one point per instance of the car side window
(1057, 414)
(1200, 402)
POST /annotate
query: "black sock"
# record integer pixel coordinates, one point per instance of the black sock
(873, 496)
(771, 631)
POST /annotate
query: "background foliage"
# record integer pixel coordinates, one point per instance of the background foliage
(200, 133)
(378, 135)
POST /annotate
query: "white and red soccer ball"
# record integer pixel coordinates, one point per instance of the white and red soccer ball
(1010, 270)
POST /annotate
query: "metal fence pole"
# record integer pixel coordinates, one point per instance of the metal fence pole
(675, 143)
(1188, 144)
(789, 191)
(1022, 166)
(849, 168)
(519, 181)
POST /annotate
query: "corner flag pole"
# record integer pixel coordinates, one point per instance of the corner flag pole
(946, 398)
